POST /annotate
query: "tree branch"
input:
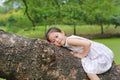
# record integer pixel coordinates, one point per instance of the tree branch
(24, 58)
(26, 12)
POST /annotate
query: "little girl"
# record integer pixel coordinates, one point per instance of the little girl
(96, 58)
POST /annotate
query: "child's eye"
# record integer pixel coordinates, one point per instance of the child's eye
(56, 36)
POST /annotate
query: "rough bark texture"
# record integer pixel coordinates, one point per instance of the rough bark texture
(24, 58)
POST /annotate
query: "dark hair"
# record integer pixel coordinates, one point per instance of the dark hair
(50, 30)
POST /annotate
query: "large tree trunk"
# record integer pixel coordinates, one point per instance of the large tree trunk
(24, 58)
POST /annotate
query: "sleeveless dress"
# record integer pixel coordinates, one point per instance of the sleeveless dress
(99, 58)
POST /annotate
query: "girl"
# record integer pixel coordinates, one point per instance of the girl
(96, 58)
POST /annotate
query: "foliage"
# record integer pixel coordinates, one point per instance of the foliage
(2, 79)
(70, 12)
(16, 19)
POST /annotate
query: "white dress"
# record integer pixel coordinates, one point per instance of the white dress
(99, 59)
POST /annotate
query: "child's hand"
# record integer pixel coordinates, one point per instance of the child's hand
(77, 54)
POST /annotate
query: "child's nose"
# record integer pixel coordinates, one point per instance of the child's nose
(57, 39)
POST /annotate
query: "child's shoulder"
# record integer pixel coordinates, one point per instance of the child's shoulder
(75, 36)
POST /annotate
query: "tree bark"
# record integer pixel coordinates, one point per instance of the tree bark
(23, 58)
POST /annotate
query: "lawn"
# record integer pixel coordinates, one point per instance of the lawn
(39, 31)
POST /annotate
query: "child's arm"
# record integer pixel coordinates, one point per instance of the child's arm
(82, 43)
(76, 54)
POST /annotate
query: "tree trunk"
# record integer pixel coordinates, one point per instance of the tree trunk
(24, 58)
(102, 31)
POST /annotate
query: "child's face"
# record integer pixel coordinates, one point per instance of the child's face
(57, 38)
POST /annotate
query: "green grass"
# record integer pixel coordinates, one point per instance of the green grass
(39, 31)
(114, 45)
(89, 29)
